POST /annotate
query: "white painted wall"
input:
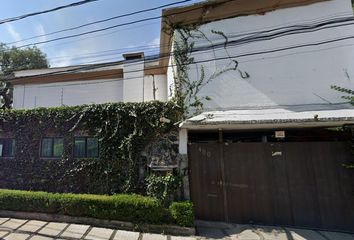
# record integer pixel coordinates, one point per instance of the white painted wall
(157, 82)
(135, 87)
(299, 77)
(67, 93)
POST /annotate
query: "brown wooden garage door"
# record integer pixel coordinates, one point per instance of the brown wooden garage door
(291, 183)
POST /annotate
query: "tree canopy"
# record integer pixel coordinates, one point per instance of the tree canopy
(15, 59)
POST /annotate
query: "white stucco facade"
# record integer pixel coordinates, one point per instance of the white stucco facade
(67, 94)
(301, 76)
(133, 87)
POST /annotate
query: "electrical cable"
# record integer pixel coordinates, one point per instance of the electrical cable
(75, 4)
(196, 62)
(101, 21)
(110, 27)
(260, 37)
(296, 29)
(158, 45)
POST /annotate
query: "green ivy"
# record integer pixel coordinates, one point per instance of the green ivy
(186, 90)
(163, 188)
(123, 130)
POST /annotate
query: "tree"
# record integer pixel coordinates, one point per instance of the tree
(15, 59)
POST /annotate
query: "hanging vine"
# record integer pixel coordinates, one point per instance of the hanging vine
(186, 91)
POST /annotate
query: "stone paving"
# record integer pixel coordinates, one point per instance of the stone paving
(18, 229)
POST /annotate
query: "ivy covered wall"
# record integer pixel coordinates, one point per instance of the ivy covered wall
(124, 131)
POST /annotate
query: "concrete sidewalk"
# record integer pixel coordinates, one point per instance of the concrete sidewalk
(216, 230)
(19, 229)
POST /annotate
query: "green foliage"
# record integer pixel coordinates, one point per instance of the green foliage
(130, 208)
(182, 213)
(187, 90)
(163, 188)
(15, 59)
(123, 130)
(350, 97)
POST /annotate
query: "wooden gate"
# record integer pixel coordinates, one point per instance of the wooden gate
(291, 183)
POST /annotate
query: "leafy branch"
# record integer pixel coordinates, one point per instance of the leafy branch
(187, 90)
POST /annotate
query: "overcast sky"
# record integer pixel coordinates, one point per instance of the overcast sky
(77, 50)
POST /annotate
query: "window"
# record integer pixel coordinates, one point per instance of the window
(52, 147)
(7, 147)
(85, 147)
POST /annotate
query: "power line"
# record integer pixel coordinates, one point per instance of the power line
(196, 62)
(158, 45)
(199, 51)
(107, 28)
(262, 58)
(295, 29)
(111, 58)
(110, 27)
(152, 50)
(98, 35)
(342, 14)
(12, 19)
(255, 37)
(259, 37)
(116, 80)
(103, 20)
(89, 32)
(307, 26)
(105, 81)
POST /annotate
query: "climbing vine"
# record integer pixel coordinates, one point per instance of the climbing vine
(186, 90)
(123, 131)
(163, 187)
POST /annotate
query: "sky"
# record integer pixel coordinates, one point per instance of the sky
(111, 43)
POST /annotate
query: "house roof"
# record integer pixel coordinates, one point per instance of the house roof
(270, 118)
(66, 74)
(110, 70)
(68, 77)
(214, 10)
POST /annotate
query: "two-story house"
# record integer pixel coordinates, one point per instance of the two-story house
(263, 139)
(267, 146)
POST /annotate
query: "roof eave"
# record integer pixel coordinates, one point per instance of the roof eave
(273, 124)
(217, 10)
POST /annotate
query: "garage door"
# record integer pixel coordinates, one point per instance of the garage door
(289, 183)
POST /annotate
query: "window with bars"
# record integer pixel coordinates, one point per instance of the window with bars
(7, 147)
(52, 147)
(86, 147)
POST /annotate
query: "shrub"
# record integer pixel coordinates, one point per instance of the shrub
(182, 213)
(163, 188)
(130, 208)
(17, 200)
